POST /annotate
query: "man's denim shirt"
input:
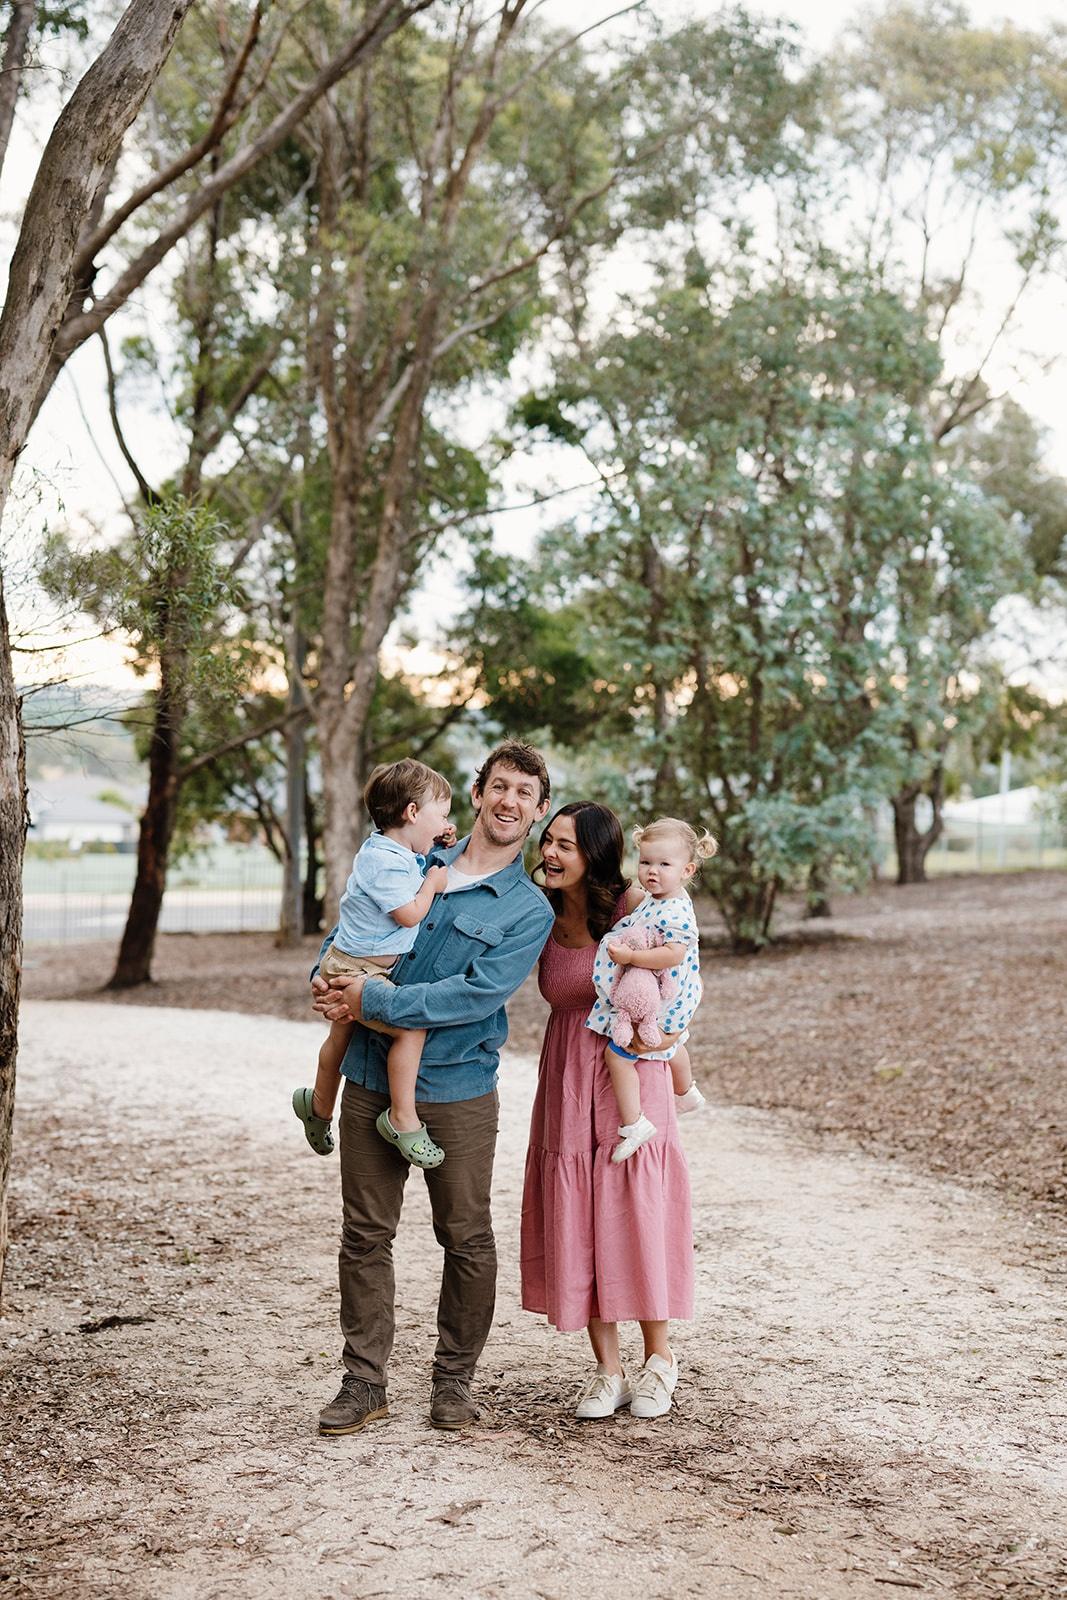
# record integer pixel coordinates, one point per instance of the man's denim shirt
(475, 947)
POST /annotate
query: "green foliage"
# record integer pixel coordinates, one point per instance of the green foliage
(543, 671)
(780, 568)
(1004, 452)
(165, 588)
(57, 18)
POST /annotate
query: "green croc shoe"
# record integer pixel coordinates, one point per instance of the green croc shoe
(317, 1130)
(417, 1147)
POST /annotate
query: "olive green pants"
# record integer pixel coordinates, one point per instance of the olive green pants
(373, 1175)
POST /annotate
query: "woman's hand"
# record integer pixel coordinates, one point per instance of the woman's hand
(621, 954)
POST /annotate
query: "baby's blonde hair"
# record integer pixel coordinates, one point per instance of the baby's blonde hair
(701, 846)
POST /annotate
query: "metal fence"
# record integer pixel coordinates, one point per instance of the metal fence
(83, 898)
(971, 845)
(234, 889)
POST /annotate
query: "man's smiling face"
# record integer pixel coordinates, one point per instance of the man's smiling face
(508, 806)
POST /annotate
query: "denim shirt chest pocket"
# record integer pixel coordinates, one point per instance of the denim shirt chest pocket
(469, 938)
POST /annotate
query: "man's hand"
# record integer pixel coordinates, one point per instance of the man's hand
(621, 954)
(437, 878)
(339, 1000)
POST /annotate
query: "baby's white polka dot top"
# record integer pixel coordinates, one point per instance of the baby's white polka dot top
(675, 918)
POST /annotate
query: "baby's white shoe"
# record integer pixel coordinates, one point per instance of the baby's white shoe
(634, 1135)
(691, 1100)
(604, 1394)
(653, 1387)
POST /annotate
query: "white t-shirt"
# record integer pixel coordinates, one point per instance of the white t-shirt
(464, 880)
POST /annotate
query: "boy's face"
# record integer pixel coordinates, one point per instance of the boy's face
(508, 806)
(431, 819)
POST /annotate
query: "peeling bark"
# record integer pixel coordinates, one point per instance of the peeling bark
(76, 163)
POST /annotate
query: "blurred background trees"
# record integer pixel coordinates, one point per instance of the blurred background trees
(730, 328)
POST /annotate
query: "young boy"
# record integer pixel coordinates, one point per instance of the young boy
(385, 899)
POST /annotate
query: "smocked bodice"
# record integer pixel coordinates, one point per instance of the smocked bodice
(565, 977)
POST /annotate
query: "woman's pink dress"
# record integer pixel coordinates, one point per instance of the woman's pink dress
(599, 1240)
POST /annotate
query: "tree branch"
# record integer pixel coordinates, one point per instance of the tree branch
(16, 48)
(385, 20)
(249, 736)
(144, 488)
(227, 112)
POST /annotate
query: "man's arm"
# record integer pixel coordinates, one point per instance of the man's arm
(496, 974)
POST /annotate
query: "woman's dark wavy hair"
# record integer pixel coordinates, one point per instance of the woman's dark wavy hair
(599, 835)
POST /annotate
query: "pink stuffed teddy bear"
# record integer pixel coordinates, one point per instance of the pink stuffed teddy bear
(639, 995)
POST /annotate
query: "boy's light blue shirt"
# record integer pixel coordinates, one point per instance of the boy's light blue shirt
(385, 875)
(473, 950)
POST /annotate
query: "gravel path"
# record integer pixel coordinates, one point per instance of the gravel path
(872, 1394)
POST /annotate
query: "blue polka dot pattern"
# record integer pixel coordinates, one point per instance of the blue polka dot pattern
(673, 919)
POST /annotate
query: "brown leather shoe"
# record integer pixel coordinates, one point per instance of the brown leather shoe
(355, 1404)
(451, 1405)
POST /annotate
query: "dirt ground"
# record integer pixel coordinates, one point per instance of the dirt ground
(872, 1394)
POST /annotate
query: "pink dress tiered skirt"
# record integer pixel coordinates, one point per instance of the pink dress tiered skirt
(599, 1240)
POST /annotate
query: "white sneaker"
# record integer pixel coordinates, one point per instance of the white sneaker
(691, 1100)
(634, 1135)
(603, 1395)
(653, 1387)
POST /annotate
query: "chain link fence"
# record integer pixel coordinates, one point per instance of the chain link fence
(234, 889)
(87, 897)
(972, 845)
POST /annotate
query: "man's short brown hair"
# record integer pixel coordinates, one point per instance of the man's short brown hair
(392, 788)
(522, 757)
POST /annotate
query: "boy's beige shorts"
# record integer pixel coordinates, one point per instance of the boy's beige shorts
(339, 964)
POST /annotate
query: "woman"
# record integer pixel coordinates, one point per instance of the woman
(601, 1242)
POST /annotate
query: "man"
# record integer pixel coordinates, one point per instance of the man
(474, 949)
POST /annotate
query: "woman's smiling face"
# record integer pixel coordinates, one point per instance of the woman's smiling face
(563, 863)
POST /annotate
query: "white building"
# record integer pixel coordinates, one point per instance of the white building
(75, 810)
(1015, 808)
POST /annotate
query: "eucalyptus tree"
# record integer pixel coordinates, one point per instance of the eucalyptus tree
(76, 159)
(1005, 449)
(946, 145)
(54, 301)
(763, 560)
(464, 186)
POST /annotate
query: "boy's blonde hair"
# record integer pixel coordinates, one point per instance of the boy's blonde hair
(392, 788)
(701, 846)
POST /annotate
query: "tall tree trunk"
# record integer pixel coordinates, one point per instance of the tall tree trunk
(312, 898)
(664, 784)
(76, 162)
(291, 915)
(12, 842)
(134, 964)
(817, 898)
(16, 45)
(747, 903)
(913, 843)
(341, 799)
